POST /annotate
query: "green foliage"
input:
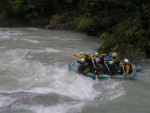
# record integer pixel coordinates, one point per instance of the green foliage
(149, 43)
(69, 1)
(129, 35)
(84, 23)
(129, 31)
(16, 5)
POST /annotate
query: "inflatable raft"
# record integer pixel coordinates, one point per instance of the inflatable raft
(73, 66)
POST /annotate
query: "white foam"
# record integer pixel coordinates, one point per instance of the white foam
(10, 59)
(5, 101)
(52, 50)
(3, 35)
(34, 74)
(6, 28)
(34, 77)
(58, 81)
(62, 83)
(16, 33)
(112, 90)
(9, 33)
(55, 37)
(2, 47)
(74, 39)
(34, 29)
(47, 50)
(28, 40)
(58, 108)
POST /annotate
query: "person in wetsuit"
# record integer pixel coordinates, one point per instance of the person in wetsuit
(98, 66)
(87, 58)
(116, 59)
(83, 68)
(127, 67)
(111, 68)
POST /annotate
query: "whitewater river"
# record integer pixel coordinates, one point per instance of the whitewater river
(34, 76)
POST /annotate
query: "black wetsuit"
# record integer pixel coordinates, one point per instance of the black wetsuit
(83, 65)
(116, 63)
(90, 64)
(112, 69)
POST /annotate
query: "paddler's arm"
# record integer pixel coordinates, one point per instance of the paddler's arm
(79, 56)
(102, 55)
(92, 57)
(116, 60)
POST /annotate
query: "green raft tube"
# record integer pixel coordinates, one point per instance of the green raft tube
(73, 66)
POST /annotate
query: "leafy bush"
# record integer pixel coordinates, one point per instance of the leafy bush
(84, 23)
(129, 35)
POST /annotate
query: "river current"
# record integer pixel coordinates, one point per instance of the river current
(34, 76)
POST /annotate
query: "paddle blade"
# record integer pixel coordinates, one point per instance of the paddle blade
(96, 77)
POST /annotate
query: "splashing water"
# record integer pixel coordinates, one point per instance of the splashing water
(34, 76)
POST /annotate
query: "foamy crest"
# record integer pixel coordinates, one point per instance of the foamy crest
(75, 39)
(55, 79)
(35, 73)
(47, 50)
(28, 40)
(11, 58)
(7, 34)
(5, 101)
(59, 108)
(112, 90)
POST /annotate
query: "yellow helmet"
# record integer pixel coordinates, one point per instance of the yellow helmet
(82, 60)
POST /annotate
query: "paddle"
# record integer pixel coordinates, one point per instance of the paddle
(96, 76)
(107, 67)
(124, 71)
(116, 47)
(113, 49)
(109, 70)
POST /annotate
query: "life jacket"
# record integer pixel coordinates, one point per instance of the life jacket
(83, 68)
(83, 64)
(88, 60)
(112, 67)
(98, 67)
(130, 69)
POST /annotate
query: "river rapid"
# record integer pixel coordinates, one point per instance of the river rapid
(34, 76)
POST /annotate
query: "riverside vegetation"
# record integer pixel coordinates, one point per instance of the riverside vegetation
(125, 23)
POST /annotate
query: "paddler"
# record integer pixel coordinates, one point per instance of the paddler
(83, 68)
(127, 67)
(87, 59)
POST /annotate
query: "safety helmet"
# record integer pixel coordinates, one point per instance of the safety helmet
(96, 54)
(97, 60)
(126, 60)
(114, 55)
(81, 53)
(111, 62)
(82, 60)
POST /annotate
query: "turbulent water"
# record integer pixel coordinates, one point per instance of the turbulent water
(34, 76)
